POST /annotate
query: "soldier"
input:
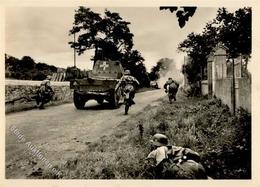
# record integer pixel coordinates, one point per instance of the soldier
(171, 88)
(129, 82)
(173, 162)
(45, 92)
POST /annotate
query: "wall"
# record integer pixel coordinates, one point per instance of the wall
(243, 93)
(223, 90)
(220, 73)
(209, 66)
(18, 93)
(204, 87)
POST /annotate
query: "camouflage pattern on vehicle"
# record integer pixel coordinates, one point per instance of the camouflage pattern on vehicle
(102, 83)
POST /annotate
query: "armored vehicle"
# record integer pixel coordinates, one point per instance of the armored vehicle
(101, 83)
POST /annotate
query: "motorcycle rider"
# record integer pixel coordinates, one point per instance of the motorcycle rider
(129, 83)
(44, 93)
(173, 162)
(171, 87)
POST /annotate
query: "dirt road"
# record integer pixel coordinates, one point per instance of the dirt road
(61, 132)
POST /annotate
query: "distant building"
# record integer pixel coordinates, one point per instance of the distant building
(59, 76)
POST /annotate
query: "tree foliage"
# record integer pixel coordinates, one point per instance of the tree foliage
(155, 72)
(26, 68)
(198, 47)
(182, 13)
(134, 62)
(235, 31)
(109, 33)
(110, 37)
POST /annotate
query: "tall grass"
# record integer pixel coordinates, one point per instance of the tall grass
(206, 126)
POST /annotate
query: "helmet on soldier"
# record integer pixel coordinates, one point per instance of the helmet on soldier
(159, 140)
(127, 72)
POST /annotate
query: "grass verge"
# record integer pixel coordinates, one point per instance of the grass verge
(206, 126)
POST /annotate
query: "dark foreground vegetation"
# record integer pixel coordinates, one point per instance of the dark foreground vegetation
(206, 126)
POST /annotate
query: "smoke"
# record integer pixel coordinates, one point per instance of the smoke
(169, 69)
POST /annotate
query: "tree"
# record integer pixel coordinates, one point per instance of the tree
(198, 47)
(134, 62)
(27, 62)
(235, 31)
(26, 68)
(110, 37)
(155, 72)
(110, 34)
(182, 13)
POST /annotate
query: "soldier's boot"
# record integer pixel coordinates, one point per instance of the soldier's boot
(37, 101)
(132, 95)
(41, 106)
(170, 99)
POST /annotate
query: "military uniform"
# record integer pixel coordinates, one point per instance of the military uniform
(44, 93)
(173, 162)
(128, 83)
(171, 87)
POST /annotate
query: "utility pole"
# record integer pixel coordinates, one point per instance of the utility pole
(184, 73)
(233, 87)
(74, 49)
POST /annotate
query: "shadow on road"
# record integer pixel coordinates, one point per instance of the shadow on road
(104, 106)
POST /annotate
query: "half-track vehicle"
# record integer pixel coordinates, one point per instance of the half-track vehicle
(102, 83)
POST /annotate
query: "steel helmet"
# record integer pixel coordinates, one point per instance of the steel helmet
(127, 72)
(159, 140)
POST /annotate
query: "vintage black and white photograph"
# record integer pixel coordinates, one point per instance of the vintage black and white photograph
(160, 92)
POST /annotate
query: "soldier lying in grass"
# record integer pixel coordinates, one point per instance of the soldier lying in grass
(172, 162)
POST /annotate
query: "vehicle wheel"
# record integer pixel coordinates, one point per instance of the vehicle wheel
(115, 100)
(79, 102)
(100, 101)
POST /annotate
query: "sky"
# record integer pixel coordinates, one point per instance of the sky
(43, 33)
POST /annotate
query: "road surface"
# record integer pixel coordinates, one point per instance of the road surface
(60, 132)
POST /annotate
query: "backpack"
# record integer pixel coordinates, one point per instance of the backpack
(173, 85)
(181, 163)
(186, 169)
